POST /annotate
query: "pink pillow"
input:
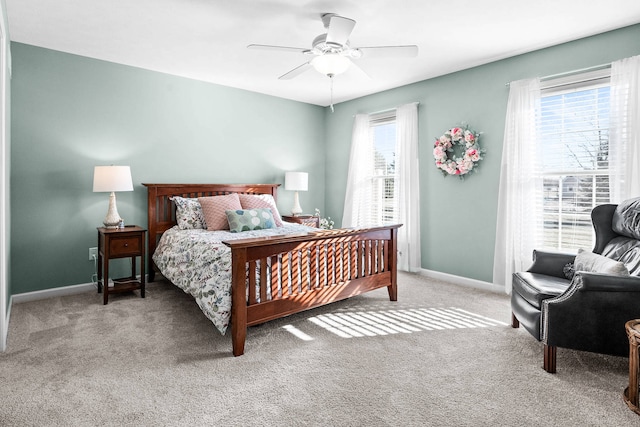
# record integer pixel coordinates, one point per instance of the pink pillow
(214, 207)
(261, 201)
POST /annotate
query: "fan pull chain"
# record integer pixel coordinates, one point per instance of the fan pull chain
(331, 79)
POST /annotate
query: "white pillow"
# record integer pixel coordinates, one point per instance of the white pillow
(590, 262)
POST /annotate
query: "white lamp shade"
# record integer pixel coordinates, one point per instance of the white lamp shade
(331, 64)
(296, 181)
(112, 178)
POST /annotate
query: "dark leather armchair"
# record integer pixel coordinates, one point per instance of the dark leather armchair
(589, 311)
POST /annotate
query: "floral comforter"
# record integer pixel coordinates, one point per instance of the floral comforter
(200, 264)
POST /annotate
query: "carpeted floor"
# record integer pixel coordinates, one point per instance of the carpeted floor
(443, 355)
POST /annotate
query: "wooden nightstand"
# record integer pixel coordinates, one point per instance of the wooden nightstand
(308, 220)
(120, 243)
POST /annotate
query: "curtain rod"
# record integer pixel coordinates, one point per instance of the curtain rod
(389, 109)
(568, 73)
(582, 70)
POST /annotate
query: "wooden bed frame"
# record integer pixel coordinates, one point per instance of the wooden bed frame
(302, 271)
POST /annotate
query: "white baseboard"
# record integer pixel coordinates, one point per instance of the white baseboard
(463, 281)
(53, 292)
(87, 287)
(5, 332)
(56, 292)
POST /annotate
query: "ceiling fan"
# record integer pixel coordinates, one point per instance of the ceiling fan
(331, 52)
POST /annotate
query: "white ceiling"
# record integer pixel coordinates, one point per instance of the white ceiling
(206, 39)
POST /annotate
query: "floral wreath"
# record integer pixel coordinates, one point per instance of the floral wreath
(443, 151)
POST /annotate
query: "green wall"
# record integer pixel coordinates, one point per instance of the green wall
(71, 113)
(458, 217)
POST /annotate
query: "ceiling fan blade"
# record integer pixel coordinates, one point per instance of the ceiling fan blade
(296, 71)
(339, 30)
(359, 69)
(408, 51)
(276, 48)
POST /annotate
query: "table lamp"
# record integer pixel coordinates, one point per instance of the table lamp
(296, 181)
(112, 179)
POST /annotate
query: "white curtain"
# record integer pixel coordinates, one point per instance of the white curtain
(408, 187)
(517, 214)
(357, 201)
(624, 139)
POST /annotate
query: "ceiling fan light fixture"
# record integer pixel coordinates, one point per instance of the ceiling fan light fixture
(331, 64)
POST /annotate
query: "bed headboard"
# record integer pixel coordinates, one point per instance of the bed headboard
(161, 213)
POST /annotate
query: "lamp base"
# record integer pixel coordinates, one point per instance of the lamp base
(296, 209)
(112, 220)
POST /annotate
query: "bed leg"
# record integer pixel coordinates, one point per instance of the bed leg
(238, 301)
(237, 340)
(151, 271)
(393, 263)
(393, 292)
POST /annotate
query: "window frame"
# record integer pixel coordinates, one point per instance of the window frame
(381, 119)
(555, 86)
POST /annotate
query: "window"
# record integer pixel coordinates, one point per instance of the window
(573, 136)
(383, 184)
(384, 206)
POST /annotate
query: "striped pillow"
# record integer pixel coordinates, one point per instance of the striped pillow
(214, 210)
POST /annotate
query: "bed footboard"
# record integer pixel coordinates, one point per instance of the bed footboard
(282, 275)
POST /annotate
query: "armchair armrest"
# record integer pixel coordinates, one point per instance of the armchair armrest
(550, 263)
(590, 315)
(598, 282)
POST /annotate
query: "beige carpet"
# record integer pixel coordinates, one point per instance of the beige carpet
(443, 355)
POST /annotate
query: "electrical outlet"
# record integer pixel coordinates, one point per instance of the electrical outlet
(93, 254)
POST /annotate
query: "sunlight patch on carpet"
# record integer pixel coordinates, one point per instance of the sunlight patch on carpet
(297, 332)
(375, 323)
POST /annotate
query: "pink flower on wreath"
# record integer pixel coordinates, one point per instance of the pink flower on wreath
(444, 141)
(439, 153)
(468, 164)
(473, 154)
(456, 133)
(462, 168)
(465, 165)
(452, 168)
(469, 137)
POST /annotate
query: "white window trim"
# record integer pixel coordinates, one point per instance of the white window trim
(380, 119)
(5, 65)
(573, 82)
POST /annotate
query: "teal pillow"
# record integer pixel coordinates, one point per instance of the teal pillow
(250, 219)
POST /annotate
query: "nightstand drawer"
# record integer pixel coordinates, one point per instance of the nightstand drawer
(124, 246)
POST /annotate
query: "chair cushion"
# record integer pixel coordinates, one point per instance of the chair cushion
(535, 287)
(626, 218)
(590, 262)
